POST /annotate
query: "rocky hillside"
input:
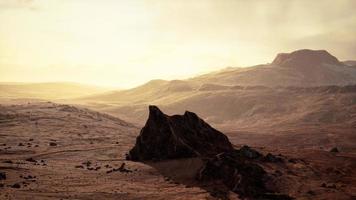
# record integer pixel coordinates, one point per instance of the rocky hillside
(306, 68)
(305, 86)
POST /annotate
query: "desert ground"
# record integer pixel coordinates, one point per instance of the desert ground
(55, 151)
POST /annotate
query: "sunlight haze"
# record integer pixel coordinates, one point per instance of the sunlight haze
(127, 43)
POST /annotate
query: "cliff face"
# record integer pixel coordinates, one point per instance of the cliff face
(178, 136)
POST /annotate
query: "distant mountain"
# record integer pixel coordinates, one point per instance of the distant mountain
(350, 63)
(304, 86)
(52, 90)
(302, 68)
(305, 68)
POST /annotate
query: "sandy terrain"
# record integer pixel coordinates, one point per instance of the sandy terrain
(60, 139)
(53, 151)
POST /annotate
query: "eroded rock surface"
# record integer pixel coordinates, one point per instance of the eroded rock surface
(178, 136)
(240, 171)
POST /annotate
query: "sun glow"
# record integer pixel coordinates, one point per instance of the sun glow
(125, 43)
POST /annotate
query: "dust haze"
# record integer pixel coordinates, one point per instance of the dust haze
(177, 100)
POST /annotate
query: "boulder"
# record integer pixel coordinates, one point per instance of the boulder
(241, 172)
(2, 176)
(178, 136)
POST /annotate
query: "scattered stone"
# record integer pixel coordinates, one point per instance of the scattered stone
(52, 144)
(88, 163)
(334, 150)
(123, 169)
(29, 177)
(178, 136)
(332, 186)
(30, 139)
(120, 169)
(272, 158)
(8, 161)
(2, 176)
(1, 185)
(30, 160)
(16, 185)
(20, 144)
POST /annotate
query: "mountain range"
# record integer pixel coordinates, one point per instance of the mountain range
(298, 87)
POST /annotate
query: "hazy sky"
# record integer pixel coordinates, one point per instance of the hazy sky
(128, 42)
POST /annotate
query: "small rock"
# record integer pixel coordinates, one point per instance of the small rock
(52, 144)
(272, 158)
(292, 160)
(2, 176)
(88, 163)
(334, 150)
(30, 160)
(16, 185)
(333, 186)
(123, 169)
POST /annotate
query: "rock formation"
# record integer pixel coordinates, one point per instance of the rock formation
(178, 136)
(240, 171)
(183, 136)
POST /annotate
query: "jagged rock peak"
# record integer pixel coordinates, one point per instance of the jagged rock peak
(305, 58)
(154, 111)
(178, 136)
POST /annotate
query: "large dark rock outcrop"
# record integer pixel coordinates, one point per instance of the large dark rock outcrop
(178, 136)
(240, 171)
